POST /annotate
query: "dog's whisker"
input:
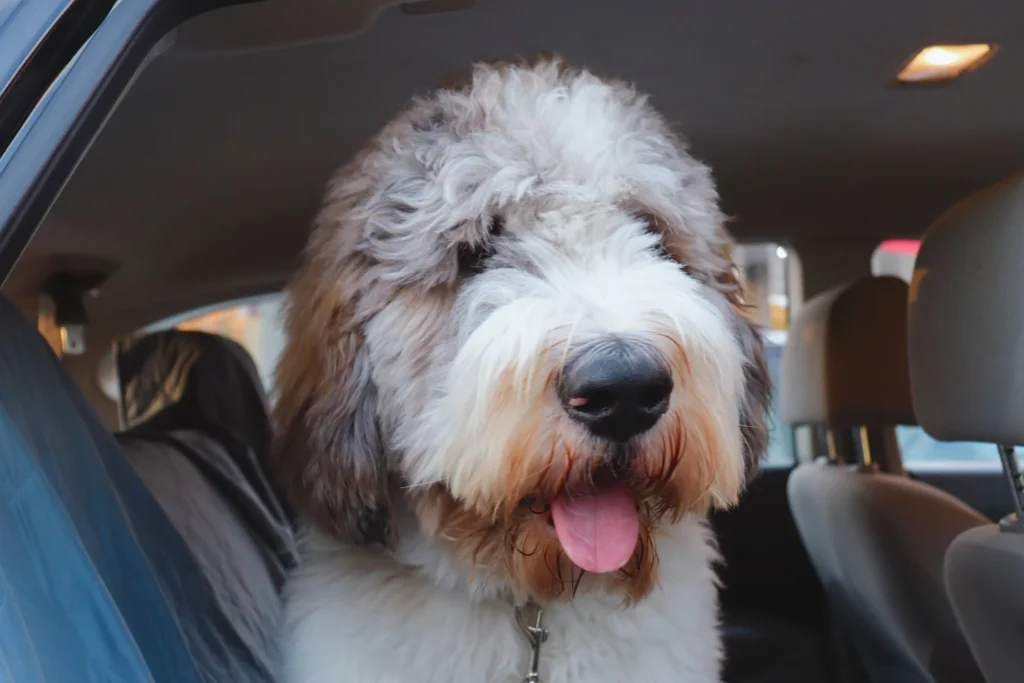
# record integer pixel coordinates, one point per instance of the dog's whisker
(576, 583)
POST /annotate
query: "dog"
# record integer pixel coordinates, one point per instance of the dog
(519, 372)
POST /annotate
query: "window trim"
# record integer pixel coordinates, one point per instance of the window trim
(64, 122)
(22, 32)
(41, 38)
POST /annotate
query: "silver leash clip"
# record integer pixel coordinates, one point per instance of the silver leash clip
(536, 635)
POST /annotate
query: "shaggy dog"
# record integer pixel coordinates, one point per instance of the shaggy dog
(518, 376)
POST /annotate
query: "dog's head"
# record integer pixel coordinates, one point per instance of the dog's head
(518, 318)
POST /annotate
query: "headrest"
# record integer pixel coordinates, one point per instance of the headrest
(966, 320)
(183, 380)
(845, 361)
(192, 380)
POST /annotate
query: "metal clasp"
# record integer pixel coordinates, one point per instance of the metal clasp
(535, 633)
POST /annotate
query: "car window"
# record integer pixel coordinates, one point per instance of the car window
(920, 451)
(37, 40)
(254, 323)
(767, 278)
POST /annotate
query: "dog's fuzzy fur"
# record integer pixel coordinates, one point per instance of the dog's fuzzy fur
(481, 239)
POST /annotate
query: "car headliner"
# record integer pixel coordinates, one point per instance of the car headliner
(204, 181)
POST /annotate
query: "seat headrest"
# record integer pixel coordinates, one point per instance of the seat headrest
(966, 320)
(845, 361)
(193, 380)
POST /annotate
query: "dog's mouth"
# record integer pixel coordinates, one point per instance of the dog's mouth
(598, 528)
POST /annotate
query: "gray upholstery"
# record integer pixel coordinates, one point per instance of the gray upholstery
(966, 320)
(198, 436)
(985, 573)
(239, 568)
(877, 542)
(845, 362)
(966, 334)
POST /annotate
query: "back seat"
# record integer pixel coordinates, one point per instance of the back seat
(197, 433)
(96, 582)
(876, 537)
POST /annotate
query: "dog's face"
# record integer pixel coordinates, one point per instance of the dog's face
(518, 320)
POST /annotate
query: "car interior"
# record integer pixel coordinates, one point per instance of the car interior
(868, 155)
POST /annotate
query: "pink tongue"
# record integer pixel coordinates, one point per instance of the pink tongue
(598, 532)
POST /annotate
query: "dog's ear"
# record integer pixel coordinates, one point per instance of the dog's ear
(757, 396)
(328, 452)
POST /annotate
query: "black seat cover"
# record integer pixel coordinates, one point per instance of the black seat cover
(197, 434)
(181, 381)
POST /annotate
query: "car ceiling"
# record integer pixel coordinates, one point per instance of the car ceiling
(204, 181)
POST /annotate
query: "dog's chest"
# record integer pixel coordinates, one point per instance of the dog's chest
(447, 641)
(354, 621)
(492, 650)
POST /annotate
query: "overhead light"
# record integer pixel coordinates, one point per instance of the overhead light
(937, 63)
(781, 252)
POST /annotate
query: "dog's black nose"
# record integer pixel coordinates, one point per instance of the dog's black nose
(617, 388)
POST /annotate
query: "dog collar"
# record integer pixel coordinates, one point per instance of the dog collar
(530, 619)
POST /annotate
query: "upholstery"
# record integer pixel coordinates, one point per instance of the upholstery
(983, 571)
(966, 320)
(966, 336)
(878, 542)
(198, 438)
(845, 361)
(193, 381)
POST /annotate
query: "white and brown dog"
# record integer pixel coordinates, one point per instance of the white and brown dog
(518, 371)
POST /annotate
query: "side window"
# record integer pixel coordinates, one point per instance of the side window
(920, 451)
(766, 274)
(253, 323)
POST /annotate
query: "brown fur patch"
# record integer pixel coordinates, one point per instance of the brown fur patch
(327, 452)
(525, 550)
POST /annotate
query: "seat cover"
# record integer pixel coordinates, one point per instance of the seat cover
(983, 571)
(95, 583)
(877, 542)
(198, 438)
(967, 370)
(179, 381)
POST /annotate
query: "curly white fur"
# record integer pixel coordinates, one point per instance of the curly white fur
(417, 402)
